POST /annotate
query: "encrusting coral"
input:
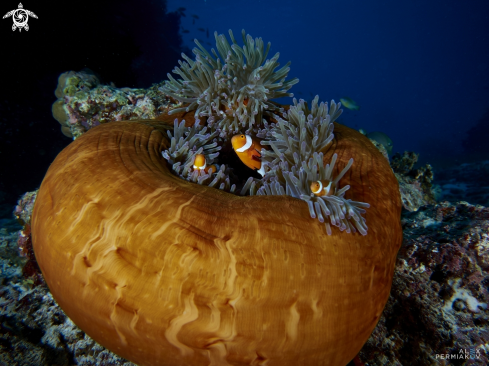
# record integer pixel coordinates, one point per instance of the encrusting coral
(83, 103)
(414, 184)
(166, 271)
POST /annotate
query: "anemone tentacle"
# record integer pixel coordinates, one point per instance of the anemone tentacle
(231, 90)
(233, 86)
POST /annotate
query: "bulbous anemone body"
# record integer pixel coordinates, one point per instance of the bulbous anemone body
(166, 272)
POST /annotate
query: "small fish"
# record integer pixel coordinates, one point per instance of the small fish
(195, 16)
(201, 29)
(349, 103)
(248, 150)
(181, 9)
(383, 139)
(323, 188)
(200, 163)
(185, 31)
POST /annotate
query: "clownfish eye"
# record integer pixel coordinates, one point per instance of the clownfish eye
(242, 136)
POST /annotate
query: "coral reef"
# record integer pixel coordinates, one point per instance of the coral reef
(23, 212)
(438, 309)
(24, 207)
(414, 184)
(84, 103)
(381, 148)
(10, 261)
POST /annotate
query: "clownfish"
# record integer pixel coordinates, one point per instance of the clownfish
(201, 164)
(248, 150)
(323, 188)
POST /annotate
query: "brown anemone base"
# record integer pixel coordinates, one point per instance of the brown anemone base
(166, 272)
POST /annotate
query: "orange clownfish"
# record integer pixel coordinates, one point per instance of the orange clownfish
(201, 164)
(248, 150)
(323, 188)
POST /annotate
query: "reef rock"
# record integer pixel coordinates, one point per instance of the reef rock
(437, 312)
(414, 184)
(84, 102)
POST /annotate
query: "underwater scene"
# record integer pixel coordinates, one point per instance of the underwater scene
(216, 183)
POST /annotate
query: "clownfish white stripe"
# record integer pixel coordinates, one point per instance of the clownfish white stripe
(320, 187)
(246, 146)
(201, 167)
(328, 187)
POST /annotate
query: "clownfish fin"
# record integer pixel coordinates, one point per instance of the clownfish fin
(256, 157)
(262, 170)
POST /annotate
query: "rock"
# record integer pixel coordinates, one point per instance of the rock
(437, 311)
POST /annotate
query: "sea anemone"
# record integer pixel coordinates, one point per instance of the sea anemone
(233, 88)
(296, 160)
(232, 91)
(185, 144)
(149, 259)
